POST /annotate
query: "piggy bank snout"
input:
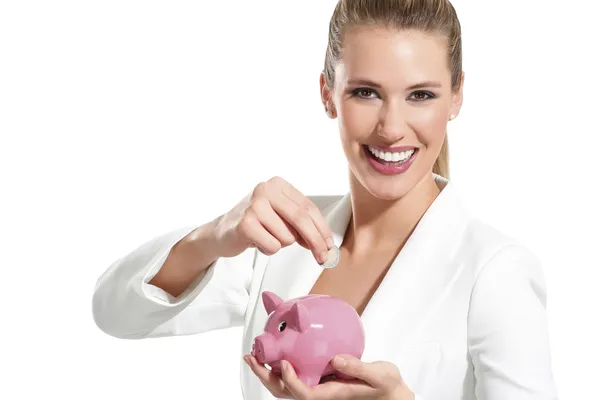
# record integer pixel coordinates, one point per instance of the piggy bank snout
(258, 350)
(264, 348)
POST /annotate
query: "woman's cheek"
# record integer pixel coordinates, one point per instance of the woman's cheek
(358, 122)
(430, 124)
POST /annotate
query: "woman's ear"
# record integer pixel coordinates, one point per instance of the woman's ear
(326, 96)
(457, 98)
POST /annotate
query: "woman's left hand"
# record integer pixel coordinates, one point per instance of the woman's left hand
(376, 381)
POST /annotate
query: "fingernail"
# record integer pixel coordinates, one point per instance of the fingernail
(324, 256)
(339, 361)
(284, 366)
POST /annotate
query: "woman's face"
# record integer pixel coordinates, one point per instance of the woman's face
(381, 110)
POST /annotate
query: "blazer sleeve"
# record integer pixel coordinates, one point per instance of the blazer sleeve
(126, 306)
(507, 329)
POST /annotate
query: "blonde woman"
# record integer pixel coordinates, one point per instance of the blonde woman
(452, 308)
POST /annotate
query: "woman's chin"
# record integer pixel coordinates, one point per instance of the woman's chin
(384, 188)
(386, 192)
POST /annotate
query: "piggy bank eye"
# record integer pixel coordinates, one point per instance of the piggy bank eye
(281, 326)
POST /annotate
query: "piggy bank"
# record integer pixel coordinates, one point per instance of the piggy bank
(308, 332)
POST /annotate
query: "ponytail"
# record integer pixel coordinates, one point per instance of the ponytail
(442, 164)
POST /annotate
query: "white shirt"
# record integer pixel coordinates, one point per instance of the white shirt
(461, 311)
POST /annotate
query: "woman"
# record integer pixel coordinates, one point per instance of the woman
(452, 308)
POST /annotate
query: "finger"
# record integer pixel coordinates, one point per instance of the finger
(257, 235)
(268, 378)
(368, 372)
(298, 389)
(339, 390)
(273, 223)
(313, 211)
(345, 390)
(302, 223)
(278, 227)
(299, 239)
(288, 190)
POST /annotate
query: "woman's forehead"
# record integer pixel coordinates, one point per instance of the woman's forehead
(380, 54)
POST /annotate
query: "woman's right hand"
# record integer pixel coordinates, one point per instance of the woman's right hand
(274, 215)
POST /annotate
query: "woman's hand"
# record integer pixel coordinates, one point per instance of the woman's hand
(274, 215)
(377, 381)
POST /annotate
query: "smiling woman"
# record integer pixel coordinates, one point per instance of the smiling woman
(452, 308)
(390, 82)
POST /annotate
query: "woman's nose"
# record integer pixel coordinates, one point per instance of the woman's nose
(392, 124)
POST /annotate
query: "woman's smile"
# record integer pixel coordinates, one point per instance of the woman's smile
(391, 161)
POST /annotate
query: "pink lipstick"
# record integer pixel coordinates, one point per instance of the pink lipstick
(390, 167)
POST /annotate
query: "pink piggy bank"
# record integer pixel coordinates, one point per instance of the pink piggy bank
(308, 332)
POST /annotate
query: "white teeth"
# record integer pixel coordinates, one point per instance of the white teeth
(389, 156)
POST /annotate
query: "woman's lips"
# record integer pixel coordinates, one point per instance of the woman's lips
(390, 167)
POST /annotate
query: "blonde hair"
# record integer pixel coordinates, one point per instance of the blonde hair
(429, 16)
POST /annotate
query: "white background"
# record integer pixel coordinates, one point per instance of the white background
(121, 120)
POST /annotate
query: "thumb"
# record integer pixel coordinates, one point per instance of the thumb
(355, 368)
(380, 374)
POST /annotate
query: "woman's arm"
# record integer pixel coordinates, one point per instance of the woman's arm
(188, 260)
(507, 329)
(172, 286)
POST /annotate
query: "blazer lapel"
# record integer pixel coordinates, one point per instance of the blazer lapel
(415, 285)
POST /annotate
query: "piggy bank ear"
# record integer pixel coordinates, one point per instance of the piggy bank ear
(271, 301)
(298, 317)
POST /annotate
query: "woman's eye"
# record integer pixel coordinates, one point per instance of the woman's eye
(363, 93)
(421, 96)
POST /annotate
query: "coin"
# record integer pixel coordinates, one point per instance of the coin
(333, 258)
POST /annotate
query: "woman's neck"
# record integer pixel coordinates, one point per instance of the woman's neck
(377, 225)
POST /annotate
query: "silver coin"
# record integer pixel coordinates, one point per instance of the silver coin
(333, 258)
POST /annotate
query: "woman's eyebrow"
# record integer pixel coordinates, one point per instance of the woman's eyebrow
(367, 82)
(426, 84)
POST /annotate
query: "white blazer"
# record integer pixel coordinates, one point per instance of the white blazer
(461, 311)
